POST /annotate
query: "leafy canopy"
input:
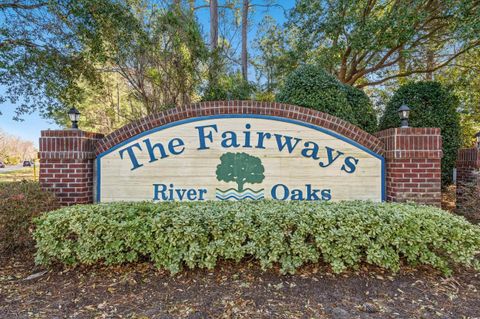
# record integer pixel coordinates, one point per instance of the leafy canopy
(46, 47)
(365, 42)
(464, 78)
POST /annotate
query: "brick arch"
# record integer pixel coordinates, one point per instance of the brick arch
(294, 112)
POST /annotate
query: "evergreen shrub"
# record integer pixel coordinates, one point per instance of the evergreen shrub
(289, 234)
(312, 87)
(432, 105)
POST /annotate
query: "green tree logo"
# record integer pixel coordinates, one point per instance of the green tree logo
(240, 168)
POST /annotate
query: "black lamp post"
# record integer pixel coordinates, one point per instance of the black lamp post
(403, 112)
(74, 116)
(478, 140)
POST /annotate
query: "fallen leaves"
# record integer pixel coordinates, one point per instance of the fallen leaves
(232, 291)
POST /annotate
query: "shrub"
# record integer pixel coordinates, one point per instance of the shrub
(468, 202)
(432, 105)
(364, 113)
(312, 87)
(290, 234)
(19, 202)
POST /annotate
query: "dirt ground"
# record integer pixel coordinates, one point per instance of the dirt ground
(449, 198)
(232, 291)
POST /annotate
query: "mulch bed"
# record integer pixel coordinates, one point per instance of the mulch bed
(232, 291)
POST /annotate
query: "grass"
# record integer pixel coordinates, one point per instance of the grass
(21, 174)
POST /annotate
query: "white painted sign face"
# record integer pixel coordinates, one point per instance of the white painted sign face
(234, 157)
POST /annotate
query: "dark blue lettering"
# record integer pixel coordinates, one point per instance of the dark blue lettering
(159, 189)
(327, 194)
(261, 138)
(330, 157)
(288, 142)
(229, 141)
(286, 192)
(311, 152)
(132, 156)
(350, 164)
(202, 137)
(247, 136)
(312, 193)
(173, 144)
(151, 150)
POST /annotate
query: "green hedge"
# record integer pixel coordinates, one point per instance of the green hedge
(432, 105)
(289, 234)
(312, 87)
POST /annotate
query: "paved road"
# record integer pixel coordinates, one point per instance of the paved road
(10, 168)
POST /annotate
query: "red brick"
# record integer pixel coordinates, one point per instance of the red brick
(413, 164)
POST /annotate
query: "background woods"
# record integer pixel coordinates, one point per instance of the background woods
(119, 60)
(13, 149)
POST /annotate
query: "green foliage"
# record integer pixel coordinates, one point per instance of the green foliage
(432, 105)
(169, 55)
(19, 203)
(46, 47)
(362, 108)
(273, 61)
(228, 87)
(311, 86)
(240, 168)
(290, 234)
(367, 42)
(465, 81)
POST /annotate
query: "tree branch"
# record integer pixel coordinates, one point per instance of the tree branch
(407, 73)
(18, 5)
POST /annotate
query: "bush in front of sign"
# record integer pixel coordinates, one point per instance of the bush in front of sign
(288, 234)
(312, 87)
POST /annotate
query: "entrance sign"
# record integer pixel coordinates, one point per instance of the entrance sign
(239, 156)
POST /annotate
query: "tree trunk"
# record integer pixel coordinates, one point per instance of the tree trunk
(213, 24)
(430, 64)
(244, 39)
(240, 186)
(402, 67)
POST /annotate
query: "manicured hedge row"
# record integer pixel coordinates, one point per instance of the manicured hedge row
(289, 234)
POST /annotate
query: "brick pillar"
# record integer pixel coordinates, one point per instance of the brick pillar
(413, 162)
(468, 171)
(66, 164)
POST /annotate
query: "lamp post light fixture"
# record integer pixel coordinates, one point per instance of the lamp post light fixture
(404, 112)
(478, 140)
(74, 116)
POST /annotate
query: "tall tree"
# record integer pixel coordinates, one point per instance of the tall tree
(362, 42)
(273, 61)
(464, 77)
(162, 63)
(213, 24)
(245, 6)
(47, 46)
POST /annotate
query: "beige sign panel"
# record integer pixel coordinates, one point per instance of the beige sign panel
(233, 157)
